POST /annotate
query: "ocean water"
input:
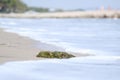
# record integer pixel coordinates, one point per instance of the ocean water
(84, 68)
(95, 36)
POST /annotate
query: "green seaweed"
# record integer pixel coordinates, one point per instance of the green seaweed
(54, 54)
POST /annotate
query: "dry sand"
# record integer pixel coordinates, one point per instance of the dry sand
(69, 14)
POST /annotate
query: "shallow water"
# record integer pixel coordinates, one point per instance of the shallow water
(95, 36)
(88, 68)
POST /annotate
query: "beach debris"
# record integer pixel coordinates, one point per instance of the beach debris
(54, 54)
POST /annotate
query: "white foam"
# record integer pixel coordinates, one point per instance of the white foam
(8, 23)
(12, 23)
(3, 23)
(54, 41)
(62, 33)
(84, 51)
(66, 69)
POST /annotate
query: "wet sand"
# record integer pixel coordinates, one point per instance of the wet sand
(14, 47)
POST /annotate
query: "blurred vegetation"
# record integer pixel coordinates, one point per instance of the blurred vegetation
(17, 6)
(7, 6)
(54, 54)
(59, 10)
(36, 9)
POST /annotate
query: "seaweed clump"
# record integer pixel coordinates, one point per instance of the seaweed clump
(54, 54)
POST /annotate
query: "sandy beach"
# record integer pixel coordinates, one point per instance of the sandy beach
(14, 47)
(67, 14)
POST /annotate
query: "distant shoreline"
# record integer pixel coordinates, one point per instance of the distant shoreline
(72, 14)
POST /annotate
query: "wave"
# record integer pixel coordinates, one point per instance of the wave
(87, 68)
(74, 35)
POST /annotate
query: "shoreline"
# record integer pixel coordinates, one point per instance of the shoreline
(72, 14)
(14, 47)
